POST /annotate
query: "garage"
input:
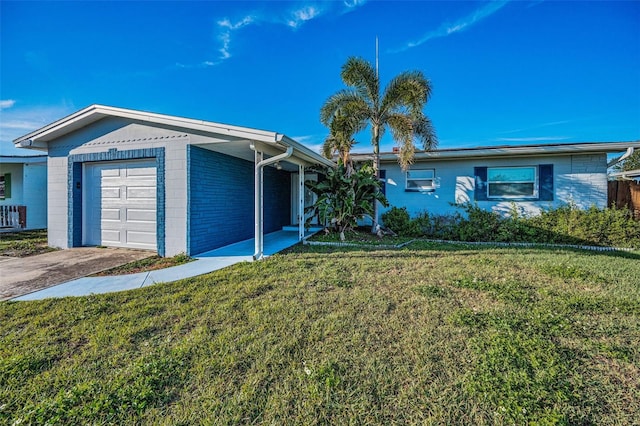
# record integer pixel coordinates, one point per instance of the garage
(120, 207)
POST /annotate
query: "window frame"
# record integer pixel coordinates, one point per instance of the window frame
(536, 184)
(419, 188)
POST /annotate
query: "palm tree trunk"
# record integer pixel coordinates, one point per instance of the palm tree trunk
(376, 172)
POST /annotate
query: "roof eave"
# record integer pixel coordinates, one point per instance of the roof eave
(305, 153)
(509, 151)
(94, 113)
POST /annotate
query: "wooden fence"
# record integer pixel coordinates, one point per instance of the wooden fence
(624, 194)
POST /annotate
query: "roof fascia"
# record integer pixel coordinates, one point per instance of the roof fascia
(305, 153)
(96, 112)
(509, 151)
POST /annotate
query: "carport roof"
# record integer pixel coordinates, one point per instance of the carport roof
(40, 138)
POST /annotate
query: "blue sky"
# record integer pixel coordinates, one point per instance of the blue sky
(502, 72)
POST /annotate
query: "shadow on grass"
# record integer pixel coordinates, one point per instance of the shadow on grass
(461, 246)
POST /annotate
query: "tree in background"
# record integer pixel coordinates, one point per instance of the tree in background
(398, 108)
(632, 162)
(342, 128)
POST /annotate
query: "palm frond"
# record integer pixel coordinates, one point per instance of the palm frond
(346, 102)
(409, 90)
(424, 131)
(360, 74)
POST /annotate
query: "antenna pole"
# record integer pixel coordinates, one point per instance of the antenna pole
(377, 73)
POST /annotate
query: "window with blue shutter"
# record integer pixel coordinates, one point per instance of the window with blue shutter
(480, 191)
(521, 183)
(545, 172)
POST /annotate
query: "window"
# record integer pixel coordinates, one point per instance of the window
(5, 186)
(512, 182)
(421, 180)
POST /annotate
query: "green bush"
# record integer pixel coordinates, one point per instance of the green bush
(397, 219)
(566, 224)
(606, 227)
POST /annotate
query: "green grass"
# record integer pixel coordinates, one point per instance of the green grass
(150, 263)
(24, 243)
(430, 334)
(361, 236)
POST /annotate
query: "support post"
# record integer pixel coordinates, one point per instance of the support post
(260, 163)
(301, 191)
(257, 204)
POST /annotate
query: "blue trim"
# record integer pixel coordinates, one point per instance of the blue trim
(188, 251)
(74, 182)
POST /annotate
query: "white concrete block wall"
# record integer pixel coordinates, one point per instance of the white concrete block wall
(589, 180)
(176, 197)
(57, 200)
(579, 178)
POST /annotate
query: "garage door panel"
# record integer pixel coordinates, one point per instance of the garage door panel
(111, 193)
(107, 172)
(110, 236)
(111, 214)
(141, 193)
(139, 238)
(141, 215)
(123, 211)
(149, 172)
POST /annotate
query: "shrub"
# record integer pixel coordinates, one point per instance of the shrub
(607, 227)
(566, 224)
(397, 219)
(479, 225)
(345, 197)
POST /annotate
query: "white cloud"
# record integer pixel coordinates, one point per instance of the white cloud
(534, 139)
(538, 126)
(353, 3)
(227, 27)
(19, 121)
(7, 103)
(301, 16)
(460, 25)
(295, 18)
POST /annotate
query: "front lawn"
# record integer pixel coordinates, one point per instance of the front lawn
(321, 335)
(151, 263)
(24, 243)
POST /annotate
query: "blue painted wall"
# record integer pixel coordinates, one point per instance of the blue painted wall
(221, 200)
(277, 199)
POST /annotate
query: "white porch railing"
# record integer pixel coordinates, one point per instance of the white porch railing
(12, 216)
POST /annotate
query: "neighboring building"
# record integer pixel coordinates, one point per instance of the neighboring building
(531, 177)
(127, 178)
(23, 192)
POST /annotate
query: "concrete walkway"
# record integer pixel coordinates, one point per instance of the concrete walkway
(204, 263)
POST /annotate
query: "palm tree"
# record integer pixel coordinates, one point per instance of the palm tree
(398, 108)
(340, 140)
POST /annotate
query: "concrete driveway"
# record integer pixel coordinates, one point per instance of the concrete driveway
(19, 276)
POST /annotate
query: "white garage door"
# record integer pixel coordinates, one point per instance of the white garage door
(120, 204)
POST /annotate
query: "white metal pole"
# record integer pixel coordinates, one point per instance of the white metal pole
(301, 215)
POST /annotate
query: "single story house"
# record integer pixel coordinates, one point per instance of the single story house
(126, 178)
(23, 192)
(531, 177)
